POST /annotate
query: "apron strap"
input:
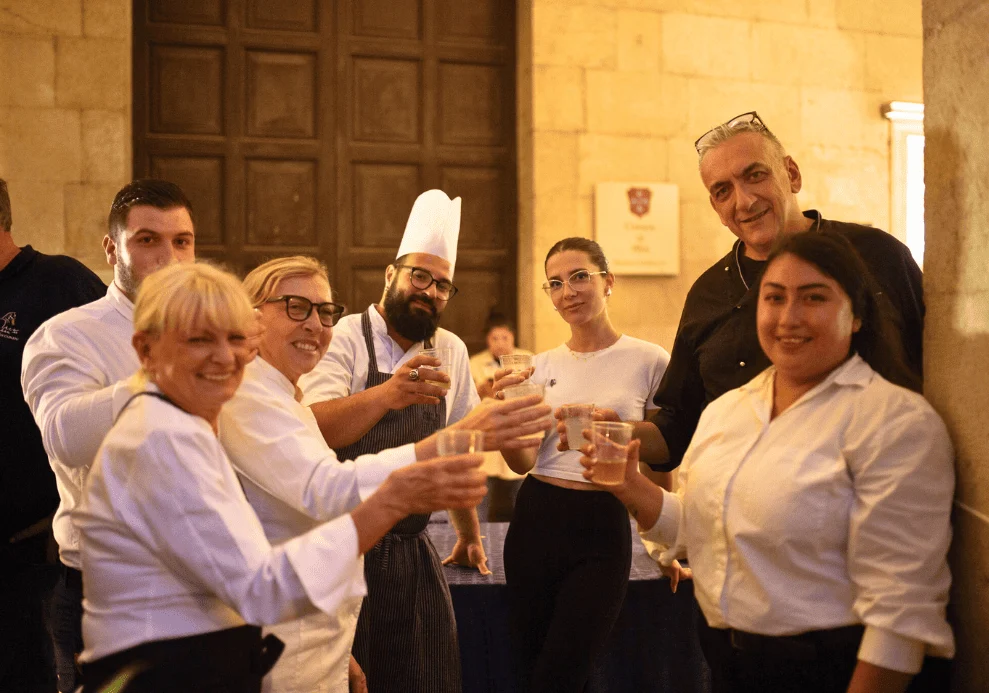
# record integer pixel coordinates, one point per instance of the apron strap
(157, 395)
(372, 356)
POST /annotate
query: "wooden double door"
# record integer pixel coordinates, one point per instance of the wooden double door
(310, 126)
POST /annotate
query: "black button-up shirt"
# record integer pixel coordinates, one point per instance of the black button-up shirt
(717, 347)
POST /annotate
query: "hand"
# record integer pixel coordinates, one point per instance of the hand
(469, 554)
(504, 422)
(444, 482)
(400, 392)
(356, 678)
(631, 466)
(504, 377)
(676, 573)
(598, 415)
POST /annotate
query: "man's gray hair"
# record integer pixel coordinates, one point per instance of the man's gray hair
(723, 133)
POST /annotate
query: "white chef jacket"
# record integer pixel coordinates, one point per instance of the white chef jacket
(293, 480)
(343, 370)
(72, 374)
(171, 547)
(834, 513)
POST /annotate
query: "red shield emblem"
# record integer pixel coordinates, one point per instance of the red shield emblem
(638, 201)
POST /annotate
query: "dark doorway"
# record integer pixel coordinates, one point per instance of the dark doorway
(310, 127)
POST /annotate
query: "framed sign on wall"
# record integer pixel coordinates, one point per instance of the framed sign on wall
(638, 225)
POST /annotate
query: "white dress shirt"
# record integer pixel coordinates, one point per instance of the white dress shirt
(343, 370)
(293, 480)
(834, 513)
(72, 374)
(172, 548)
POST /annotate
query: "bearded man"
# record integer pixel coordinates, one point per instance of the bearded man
(373, 390)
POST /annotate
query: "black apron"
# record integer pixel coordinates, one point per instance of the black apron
(406, 640)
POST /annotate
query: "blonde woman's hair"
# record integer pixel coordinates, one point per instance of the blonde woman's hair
(260, 283)
(182, 295)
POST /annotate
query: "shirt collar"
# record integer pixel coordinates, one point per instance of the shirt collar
(814, 215)
(120, 301)
(853, 372)
(271, 377)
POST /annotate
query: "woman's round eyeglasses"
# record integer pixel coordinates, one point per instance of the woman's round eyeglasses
(578, 281)
(299, 308)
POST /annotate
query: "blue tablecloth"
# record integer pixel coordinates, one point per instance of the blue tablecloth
(652, 648)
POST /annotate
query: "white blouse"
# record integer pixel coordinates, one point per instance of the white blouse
(73, 376)
(836, 512)
(293, 480)
(171, 547)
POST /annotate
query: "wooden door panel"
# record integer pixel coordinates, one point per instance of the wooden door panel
(481, 20)
(201, 178)
(281, 203)
(484, 207)
(383, 196)
(470, 104)
(386, 97)
(390, 18)
(186, 90)
(281, 94)
(279, 15)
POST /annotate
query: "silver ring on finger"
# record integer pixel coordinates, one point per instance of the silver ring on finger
(414, 375)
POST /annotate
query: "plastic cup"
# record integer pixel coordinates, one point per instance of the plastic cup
(445, 356)
(526, 389)
(611, 439)
(517, 362)
(577, 417)
(459, 441)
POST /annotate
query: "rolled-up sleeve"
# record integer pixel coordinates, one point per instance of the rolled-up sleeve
(899, 533)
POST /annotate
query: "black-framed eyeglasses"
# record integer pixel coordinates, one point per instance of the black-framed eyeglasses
(750, 118)
(422, 280)
(578, 281)
(299, 308)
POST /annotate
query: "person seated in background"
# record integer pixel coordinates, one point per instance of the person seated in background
(503, 483)
(568, 551)
(291, 477)
(179, 573)
(814, 501)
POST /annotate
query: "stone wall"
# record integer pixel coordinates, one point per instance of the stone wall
(956, 288)
(620, 89)
(65, 119)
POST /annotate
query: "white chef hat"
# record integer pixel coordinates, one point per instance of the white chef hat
(433, 227)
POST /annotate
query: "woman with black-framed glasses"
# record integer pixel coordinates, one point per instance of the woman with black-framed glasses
(568, 550)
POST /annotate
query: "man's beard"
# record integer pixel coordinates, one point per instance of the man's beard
(413, 324)
(126, 280)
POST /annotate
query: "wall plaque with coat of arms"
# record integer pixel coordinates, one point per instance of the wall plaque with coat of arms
(638, 225)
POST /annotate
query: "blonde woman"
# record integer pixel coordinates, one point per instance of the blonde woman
(178, 571)
(292, 479)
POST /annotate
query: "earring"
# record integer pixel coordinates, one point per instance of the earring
(607, 292)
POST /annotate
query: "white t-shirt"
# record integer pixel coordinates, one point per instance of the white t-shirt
(623, 377)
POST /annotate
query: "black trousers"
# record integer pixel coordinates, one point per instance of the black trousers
(567, 560)
(828, 670)
(233, 660)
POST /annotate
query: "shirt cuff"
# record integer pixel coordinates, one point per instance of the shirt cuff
(328, 563)
(664, 531)
(886, 649)
(372, 470)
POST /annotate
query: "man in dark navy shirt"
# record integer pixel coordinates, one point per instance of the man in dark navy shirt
(33, 288)
(753, 188)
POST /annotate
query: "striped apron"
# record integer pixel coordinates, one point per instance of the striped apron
(406, 640)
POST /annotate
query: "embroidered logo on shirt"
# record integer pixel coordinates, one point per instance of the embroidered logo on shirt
(7, 329)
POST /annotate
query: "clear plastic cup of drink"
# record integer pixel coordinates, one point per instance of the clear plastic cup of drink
(452, 441)
(517, 362)
(445, 356)
(611, 439)
(576, 417)
(525, 389)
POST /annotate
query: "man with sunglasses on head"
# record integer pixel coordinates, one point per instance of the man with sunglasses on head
(373, 390)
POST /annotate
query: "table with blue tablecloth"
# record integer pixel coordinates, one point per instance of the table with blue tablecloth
(652, 648)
